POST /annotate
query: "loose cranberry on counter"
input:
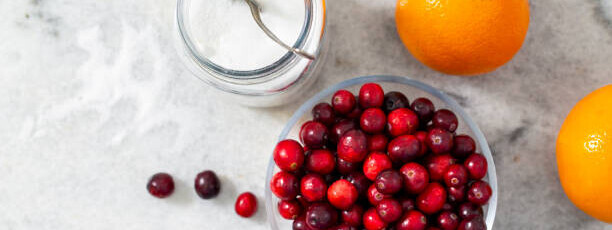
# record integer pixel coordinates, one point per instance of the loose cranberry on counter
(395, 100)
(412, 220)
(324, 113)
(314, 134)
(375, 163)
(389, 182)
(468, 210)
(353, 146)
(300, 223)
(445, 119)
(389, 210)
(160, 185)
(284, 185)
(437, 165)
(371, 95)
(407, 204)
(439, 141)
(313, 187)
(344, 167)
(289, 209)
(415, 177)
(340, 128)
(463, 146)
(448, 220)
(377, 142)
(288, 155)
(479, 192)
(360, 182)
(343, 101)
(352, 216)
(207, 184)
(424, 108)
(431, 199)
(403, 149)
(402, 121)
(456, 194)
(373, 120)
(246, 205)
(320, 161)
(342, 194)
(456, 175)
(372, 221)
(321, 216)
(476, 165)
(476, 223)
(374, 196)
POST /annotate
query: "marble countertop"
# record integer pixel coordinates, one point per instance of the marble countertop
(93, 101)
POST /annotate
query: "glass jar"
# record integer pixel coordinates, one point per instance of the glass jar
(275, 84)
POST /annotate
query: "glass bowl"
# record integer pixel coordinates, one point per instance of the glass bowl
(412, 89)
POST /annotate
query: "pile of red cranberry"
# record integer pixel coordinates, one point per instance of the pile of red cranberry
(379, 162)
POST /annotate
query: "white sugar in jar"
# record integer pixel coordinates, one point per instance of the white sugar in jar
(222, 45)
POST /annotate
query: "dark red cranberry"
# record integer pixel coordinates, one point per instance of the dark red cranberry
(343, 101)
(456, 194)
(313, 187)
(422, 136)
(412, 220)
(403, 149)
(448, 220)
(373, 120)
(439, 141)
(402, 121)
(320, 161)
(372, 221)
(445, 119)
(371, 95)
(389, 210)
(437, 165)
(207, 184)
(377, 142)
(415, 178)
(340, 128)
(342, 194)
(324, 113)
(314, 134)
(360, 182)
(353, 146)
(475, 223)
(476, 165)
(424, 108)
(395, 100)
(456, 175)
(160, 185)
(289, 209)
(389, 182)
(431, 199)
(246, 205)
(375, 163)
(407, 204)
(463, 146)
(468, 210)
(321, 216)
(284, 185)
(345, 167)
(356, 113)
(374, 196)
(352, 216)
(300, 223)
(289, 155)
(479, 192)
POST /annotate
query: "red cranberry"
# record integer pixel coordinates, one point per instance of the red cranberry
(161, 185)
(342, 194)
(340, 128)
(374, 196)
(404, 148)
(377, 142)
(314, 134)
(456, 175)
(439, 141)
(345, 167)
(246, 205)
(476, 165)
(284, 185)
(415, 177)
(431, 199)
(389, 210)
(389, 182)
(343, 101)
(372, 221)
(424, 108)
(412, 220)
(407, 204)
(437, 165)
(289, 209)
(300, 223)
(353, 146)
(371, 95)
(321, 161)
(288, 155)
(207, 184)
(343, 227)
(352, 216)
(395, 100)
(313, 187)
(463, 146)
(402, 121)
(475, 223)
(360, 182)
(321, 216)
(479, 192)
(373, 120)
(356, 113)
(468, 210)
(456, 194)
(445, 119)
(448, 220)
(375, 163)
(422, 136)
(324, 113)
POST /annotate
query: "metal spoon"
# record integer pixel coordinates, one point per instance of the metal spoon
(255, 12)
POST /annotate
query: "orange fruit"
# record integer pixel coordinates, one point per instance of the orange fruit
(584, 154)
(462, 37)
